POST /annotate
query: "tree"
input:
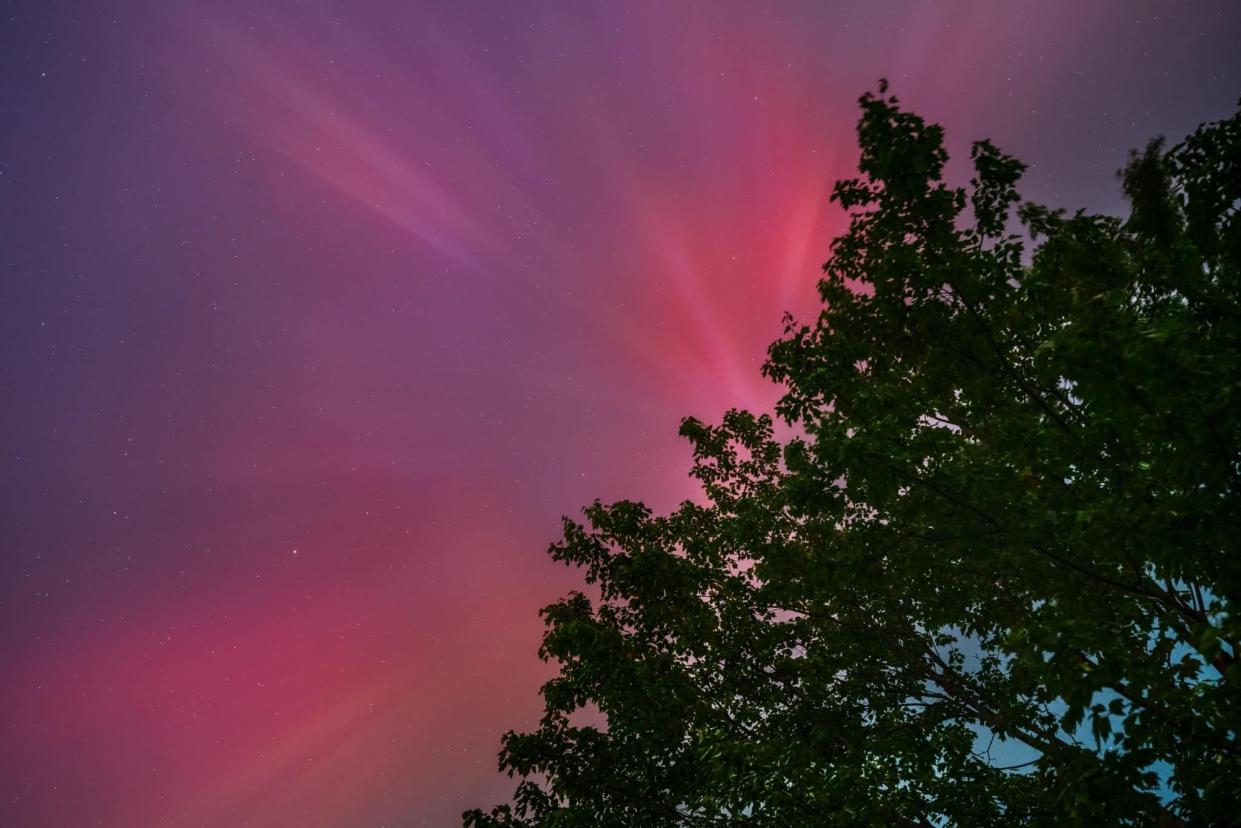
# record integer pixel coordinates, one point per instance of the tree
(993, 578)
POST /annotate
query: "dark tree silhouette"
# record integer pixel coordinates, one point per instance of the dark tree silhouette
(996, 578)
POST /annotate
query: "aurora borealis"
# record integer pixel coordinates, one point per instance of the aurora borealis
(318, 316)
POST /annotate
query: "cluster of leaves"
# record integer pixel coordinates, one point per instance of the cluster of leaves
(1009, 528)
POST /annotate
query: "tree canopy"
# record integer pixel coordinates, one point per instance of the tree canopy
(992, 576)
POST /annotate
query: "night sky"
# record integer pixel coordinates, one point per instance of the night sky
(315, 317)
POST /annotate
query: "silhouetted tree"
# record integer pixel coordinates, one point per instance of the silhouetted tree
(996, 578)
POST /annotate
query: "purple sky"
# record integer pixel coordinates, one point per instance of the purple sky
(316, 317)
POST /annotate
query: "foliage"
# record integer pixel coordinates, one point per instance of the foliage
(1008, 528)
